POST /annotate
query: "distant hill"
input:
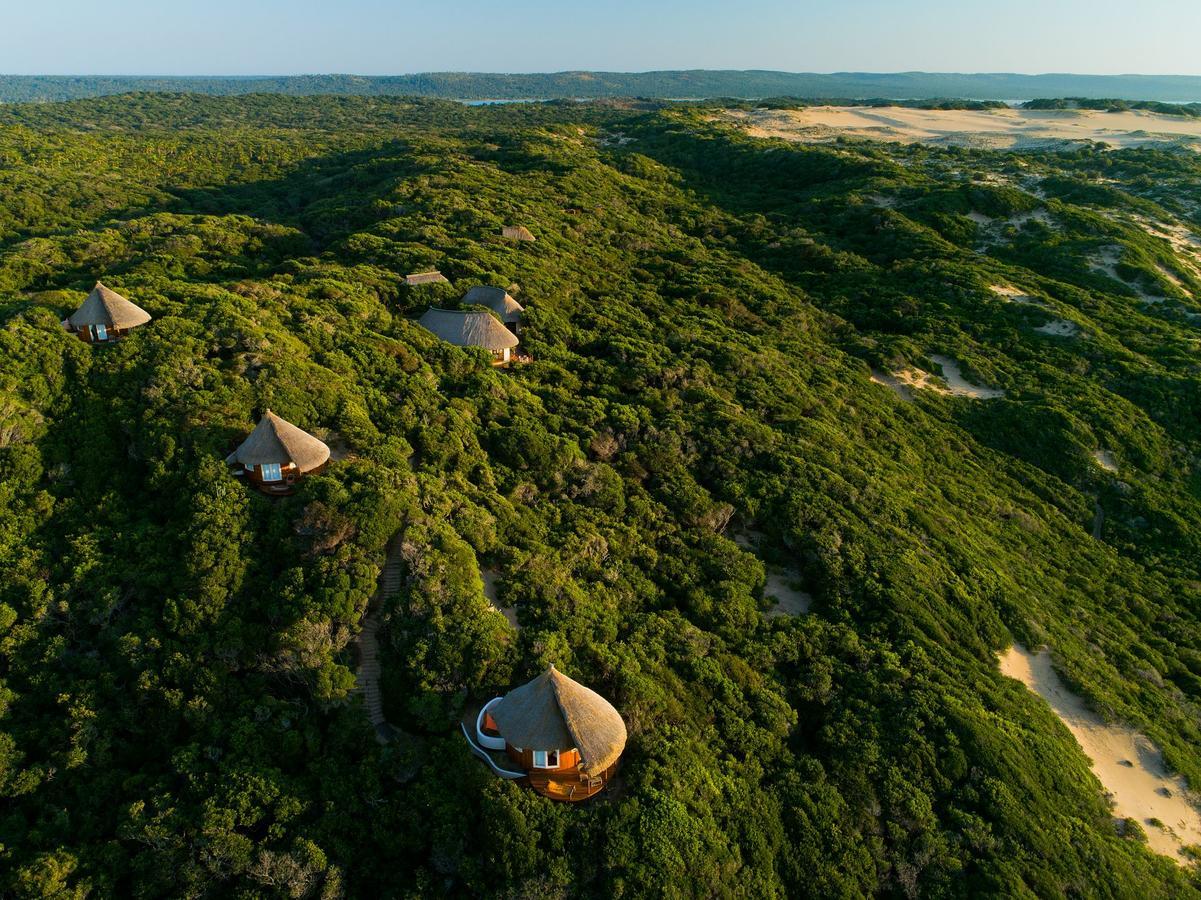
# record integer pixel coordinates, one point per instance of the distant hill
(695, 83)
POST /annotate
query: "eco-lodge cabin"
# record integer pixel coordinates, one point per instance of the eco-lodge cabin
(557, 736)
(277, 454)
(468, 328)
(516, 233)
(105, 316)
(425, 278)
(499, 301)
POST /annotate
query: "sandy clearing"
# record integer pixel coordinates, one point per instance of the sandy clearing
(489, 577)
(1059, 328)
(1129, 766)
(903, 382)
(1010, 294)
(1106, 460)
(959, 385)
(781, 582)
(994, 128)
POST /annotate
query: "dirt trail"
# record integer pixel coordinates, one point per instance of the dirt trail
(1129, 766)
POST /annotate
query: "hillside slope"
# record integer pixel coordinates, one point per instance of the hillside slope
(705, 315)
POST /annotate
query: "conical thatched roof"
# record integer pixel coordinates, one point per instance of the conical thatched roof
(553, 712)
(277, 441)
(108, 308)
(516, 233)
(497, 300)
(468, 329)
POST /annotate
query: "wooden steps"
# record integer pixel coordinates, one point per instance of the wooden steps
(390, 580)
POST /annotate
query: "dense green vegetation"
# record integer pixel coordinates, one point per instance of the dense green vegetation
(703, 312)
(1192, 110)
(686, 83)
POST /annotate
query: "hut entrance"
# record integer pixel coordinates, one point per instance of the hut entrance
(546, 759)
(271, 472)
(99, 332)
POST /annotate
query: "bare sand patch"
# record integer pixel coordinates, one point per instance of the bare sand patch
(1059, 328)
(1129, 766)
(979, 218)
(1010, 294)
(781, 583)
(1106, 460)
(990, 129)
(959, 385)
(489, 576)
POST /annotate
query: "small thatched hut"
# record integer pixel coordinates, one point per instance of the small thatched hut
(499, 301)
(277, 454)
(105, 316)
(517, 233)
(425, 278)
(566, 737)
(465, 328)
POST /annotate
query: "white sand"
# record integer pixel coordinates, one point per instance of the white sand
(790, 601)
(1106, 460)
(1059, 328)
(959, 385)
(903, 382)
(1126, 763)
(489, 577)
(781, 583)
(1010, 294)
(994, 128)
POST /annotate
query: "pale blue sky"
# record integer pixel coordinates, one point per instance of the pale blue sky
(376, 37)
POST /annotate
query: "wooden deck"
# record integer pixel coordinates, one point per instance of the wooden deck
(571, 787)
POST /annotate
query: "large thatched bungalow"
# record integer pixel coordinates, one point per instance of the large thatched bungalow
(471, 329)
(105, 316)
(499, 301)
(564, 739)
(277, 454)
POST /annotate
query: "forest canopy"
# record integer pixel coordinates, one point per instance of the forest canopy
(699, 420)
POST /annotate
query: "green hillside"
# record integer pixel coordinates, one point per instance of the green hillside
(704, 312)
(692, 83)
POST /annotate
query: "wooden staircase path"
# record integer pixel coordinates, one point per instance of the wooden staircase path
(367, 643)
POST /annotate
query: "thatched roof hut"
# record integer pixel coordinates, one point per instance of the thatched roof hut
(425, 278)
(516, 233)
(275, 441)
(108, 309)
(553, 712)
(497, 300)
(465, 328)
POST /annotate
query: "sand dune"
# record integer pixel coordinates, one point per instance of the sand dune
(1129, 766)
(994, 128)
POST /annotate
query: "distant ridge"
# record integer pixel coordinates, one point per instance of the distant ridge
(695, 83)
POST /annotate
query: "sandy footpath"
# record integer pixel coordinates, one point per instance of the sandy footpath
(1126, 763)
(992, 128)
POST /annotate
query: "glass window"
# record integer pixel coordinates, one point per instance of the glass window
(270, 472)
(540, 759)
(101, 333)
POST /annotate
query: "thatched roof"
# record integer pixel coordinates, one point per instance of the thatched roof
(497, 300)
(277, 441)
(516, 233)
(108, 308)
(468, 329)
(553, 712)
(425, 278)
